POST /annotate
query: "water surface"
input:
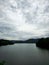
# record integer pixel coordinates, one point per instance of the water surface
(24, 54)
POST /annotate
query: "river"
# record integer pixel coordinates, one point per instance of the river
(24, 54)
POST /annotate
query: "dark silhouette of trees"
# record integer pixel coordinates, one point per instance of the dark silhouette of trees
(43, 43)
(5, 42)
(10, 42)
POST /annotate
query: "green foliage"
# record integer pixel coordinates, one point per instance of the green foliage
(2, 63)
(43, 43)
(5, 42)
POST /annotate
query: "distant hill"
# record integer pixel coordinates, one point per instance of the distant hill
(41, 43)
(31, 41)
(25, 41)
(9, 42)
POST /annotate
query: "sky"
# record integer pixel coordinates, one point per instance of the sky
(24, 19)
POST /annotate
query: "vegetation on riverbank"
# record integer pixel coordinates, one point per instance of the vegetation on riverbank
(43, 43)
(2, 63)
(10, 42)
(5, 42)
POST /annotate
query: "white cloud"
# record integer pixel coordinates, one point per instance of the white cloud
(24, 19)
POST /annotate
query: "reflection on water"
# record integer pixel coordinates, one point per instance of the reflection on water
(24, 54)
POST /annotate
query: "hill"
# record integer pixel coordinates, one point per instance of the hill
(10, 42)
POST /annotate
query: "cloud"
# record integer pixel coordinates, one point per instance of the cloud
(23, 19)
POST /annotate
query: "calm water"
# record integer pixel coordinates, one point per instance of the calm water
(24, 54)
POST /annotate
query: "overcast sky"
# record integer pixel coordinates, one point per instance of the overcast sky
(23, 19)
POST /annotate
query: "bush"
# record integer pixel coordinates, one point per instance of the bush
(2, 63)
